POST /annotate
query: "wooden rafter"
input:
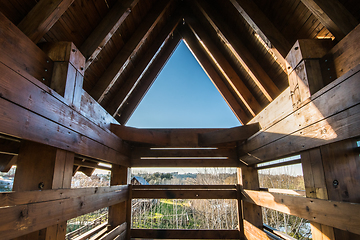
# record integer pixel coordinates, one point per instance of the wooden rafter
(333, 15)
(106, 29)
(119, 100)
(148, 78)
(221, 63)
(123, 58)
(242, 53)
(42, 17)
(262, 25)
(225, 90)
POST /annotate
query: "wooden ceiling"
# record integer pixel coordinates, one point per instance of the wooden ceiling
(240, 44)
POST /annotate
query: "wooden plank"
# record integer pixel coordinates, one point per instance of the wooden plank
(42, 17)
(324, 119)
(184, 187)
(91, 232)
(29, 197)
(262, 25)
(115, 232)
(149, 77)
(241, 114)
(13, 45)
(65, 128)
(88, 164)
(333, 15)
(120, 175)
(140, 135)
(184, 194)
(341, 215)
(285, 191)
(242, 53)
(235, 134)
(191, 162)
(279, 164)
(37, 216)
(252, 232)
(224, 66)
(184, 234)
(114, 70)
(314, 180)
(106, 29)
(345, 55)
(164, 38)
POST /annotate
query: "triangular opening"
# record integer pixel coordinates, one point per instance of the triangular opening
(183, 96)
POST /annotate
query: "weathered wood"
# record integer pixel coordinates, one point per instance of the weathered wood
(346, 54)
(30, 197)
(114, 70)
(221, 63)
(184, 234)
(262, 25)
(235, 134)
(115, 232)
(106, 29)
(184, 194)
(285, 191)
(149, 77)
(330, 116)
(314, 180)
(13, 45)
(71, 130)
(195, 47)
(91, 232)
(235, 45)
(42, 17)
(168, 37)
(32, 217)
(117, 213)
(252, 232)
(187, 187)
(341, 169)
(341, 215)
(140, 135)
(333, 15)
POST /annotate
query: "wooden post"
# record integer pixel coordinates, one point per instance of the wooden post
(41, 167)
(314, 179)
(341, 162)
(303, 67)
(118, 213)
(248, 178)
(68, 72)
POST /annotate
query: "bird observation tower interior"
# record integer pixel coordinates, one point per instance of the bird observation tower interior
(73, 72)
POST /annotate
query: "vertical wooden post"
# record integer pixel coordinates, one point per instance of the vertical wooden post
(303, 68)
(42, 167)
(341, 162)
(118, 213)
(314, 179)
(68, 72)
(248, 178)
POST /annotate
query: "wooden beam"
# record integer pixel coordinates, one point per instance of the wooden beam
(88, 164)
(184, 234)
(31, 197)
(148, 78)
(221, 63)
(184, 194)
(262, 25)
(232, 41)
(140, 135)
(184, 187)
(120, 100)
(226, 91)
(285, 191)
(320, 121)
(235, 134)
(7, 161)
(252, 232)
(190, 162)
(68, 130)
(333, 15)
(342, 215)
(13, 46)
(106, 29)
(115, 232)
(37, 216)
(42, 17)
(108, 79)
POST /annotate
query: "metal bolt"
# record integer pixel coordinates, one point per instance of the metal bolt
(46, 70)
(335, 183)
(43, 79)
(41, 185)
(296, 48)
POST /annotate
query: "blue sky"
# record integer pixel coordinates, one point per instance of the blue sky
(183, 96)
